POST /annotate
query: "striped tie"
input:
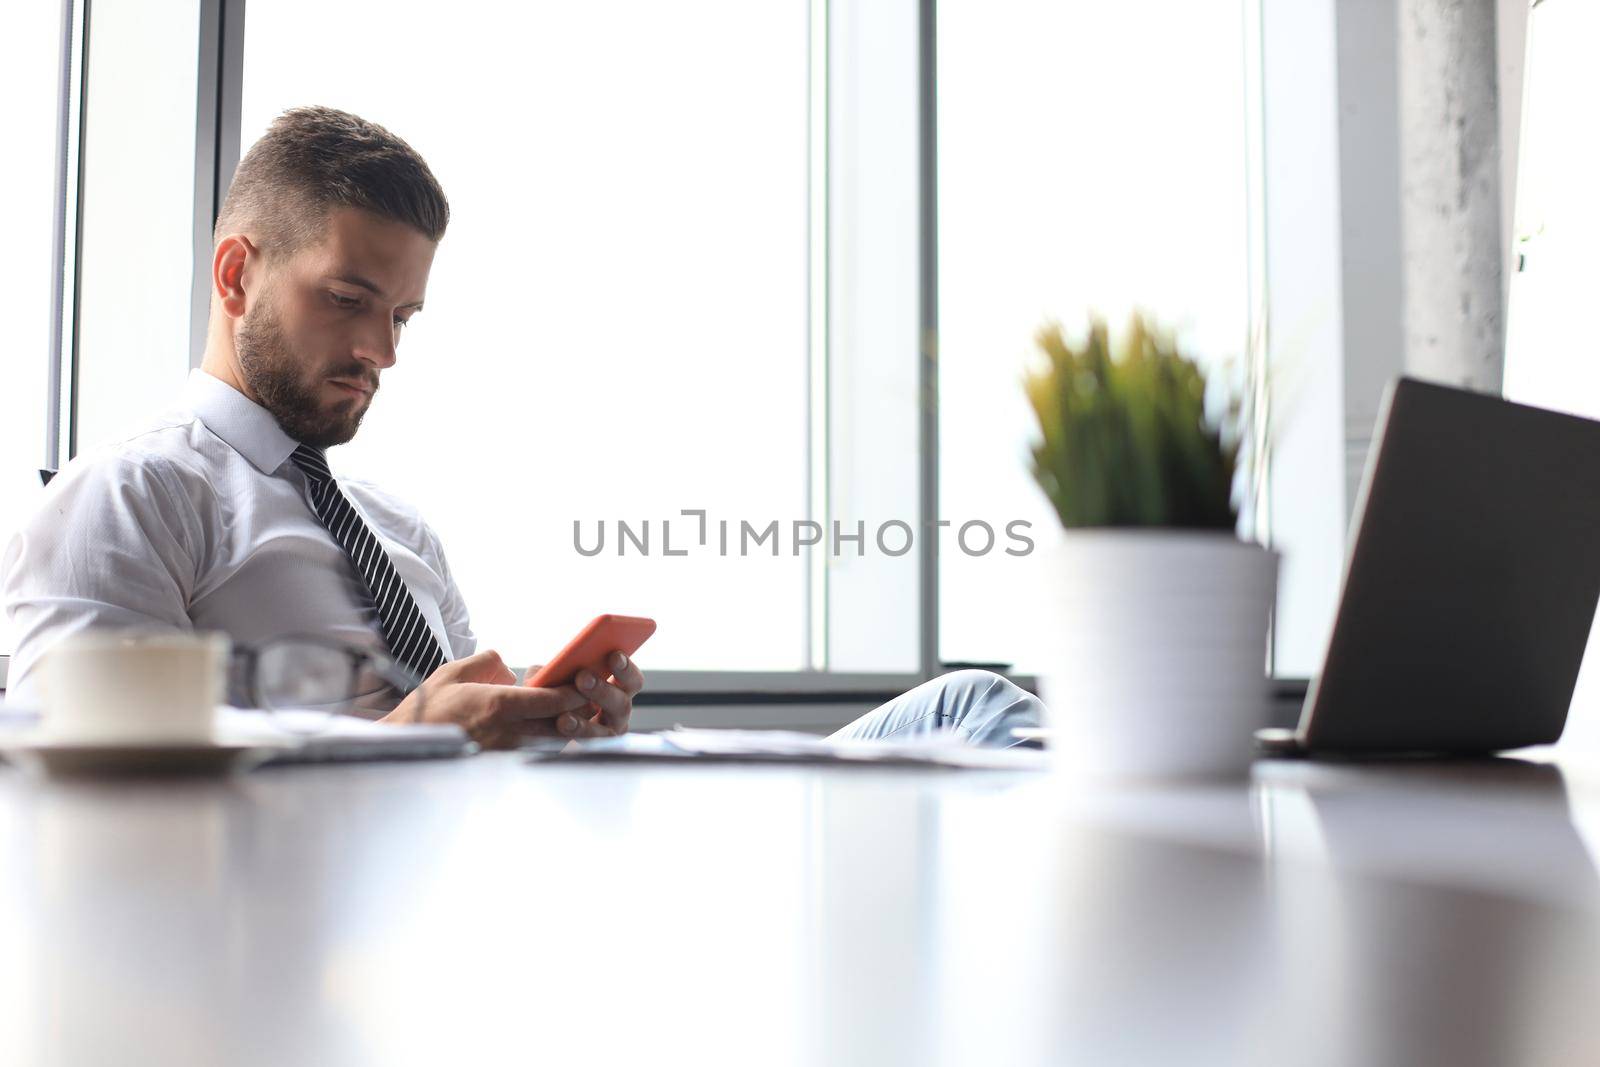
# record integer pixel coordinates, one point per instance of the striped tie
(410, 640)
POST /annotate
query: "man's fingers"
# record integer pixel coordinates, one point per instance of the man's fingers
(627, 675)
(565, 713)
(573, 725)
(585, 727)
(614, 705)
(497, 715)
(566, 726)
(516, 703)
(562, 711)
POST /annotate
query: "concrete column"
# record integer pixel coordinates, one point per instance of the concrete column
(1389, 135)
(1451, 239)
(1427, 171)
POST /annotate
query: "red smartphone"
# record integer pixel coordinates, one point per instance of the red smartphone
(593, 645)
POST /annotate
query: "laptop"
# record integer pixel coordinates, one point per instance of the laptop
(1470, 585)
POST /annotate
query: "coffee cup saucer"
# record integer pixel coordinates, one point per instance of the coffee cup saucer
(72, 757)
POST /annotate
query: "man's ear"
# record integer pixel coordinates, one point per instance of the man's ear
(228, 263)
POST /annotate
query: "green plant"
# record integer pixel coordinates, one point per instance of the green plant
(1125, 435)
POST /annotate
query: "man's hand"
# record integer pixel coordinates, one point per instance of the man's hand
(481, 694)
(612, 699)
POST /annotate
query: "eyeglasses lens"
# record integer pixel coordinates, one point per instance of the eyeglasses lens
(291, 674)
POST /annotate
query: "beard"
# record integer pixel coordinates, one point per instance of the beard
(282, 387)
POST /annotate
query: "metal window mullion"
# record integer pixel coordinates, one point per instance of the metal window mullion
(218, 99)
(58, 255)
(1258, 337)
(818, 274)
(61, 430)
(928, 332)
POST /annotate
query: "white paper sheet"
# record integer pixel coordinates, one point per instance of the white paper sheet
(786, 747)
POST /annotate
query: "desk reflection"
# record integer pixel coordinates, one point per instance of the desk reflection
(1463, 925)
(185, 921)
(1360, 914)
(485, 911)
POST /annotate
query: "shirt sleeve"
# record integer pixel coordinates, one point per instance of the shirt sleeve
(112, 545)
(453, 609)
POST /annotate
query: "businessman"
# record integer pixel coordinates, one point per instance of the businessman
(226, 515)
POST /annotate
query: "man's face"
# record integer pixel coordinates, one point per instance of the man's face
(325, 321)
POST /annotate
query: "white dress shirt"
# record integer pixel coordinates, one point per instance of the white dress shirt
(201, 522)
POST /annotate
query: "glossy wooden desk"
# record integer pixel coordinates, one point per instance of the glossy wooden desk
(489, 911)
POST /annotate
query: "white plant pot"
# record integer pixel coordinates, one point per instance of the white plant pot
(1157, 666)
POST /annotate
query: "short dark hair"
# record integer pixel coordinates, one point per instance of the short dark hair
(312, 160)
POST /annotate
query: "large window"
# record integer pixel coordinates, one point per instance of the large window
(30, 48)
(137, 255)
(684, 280)
(1087, 162)
(98, 254)
(682, 285)
(616, 324)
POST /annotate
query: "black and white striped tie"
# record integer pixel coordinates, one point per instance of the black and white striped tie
(411, 641)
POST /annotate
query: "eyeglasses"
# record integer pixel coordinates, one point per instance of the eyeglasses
(306, 673)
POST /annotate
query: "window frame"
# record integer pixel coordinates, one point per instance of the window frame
(218, 105)
(72, 87)
(217, 154)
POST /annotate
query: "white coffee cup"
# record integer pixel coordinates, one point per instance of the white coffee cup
(121, 687)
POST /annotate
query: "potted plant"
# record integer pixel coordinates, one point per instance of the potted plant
(1159, 655)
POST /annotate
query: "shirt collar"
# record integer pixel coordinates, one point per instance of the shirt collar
(245, 425)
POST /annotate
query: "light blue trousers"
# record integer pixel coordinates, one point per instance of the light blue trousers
(980, 706)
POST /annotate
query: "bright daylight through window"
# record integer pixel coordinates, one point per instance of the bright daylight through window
(622, 324)
(29, 50)
(1071, 180)
(616, 322)
(138, 194)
